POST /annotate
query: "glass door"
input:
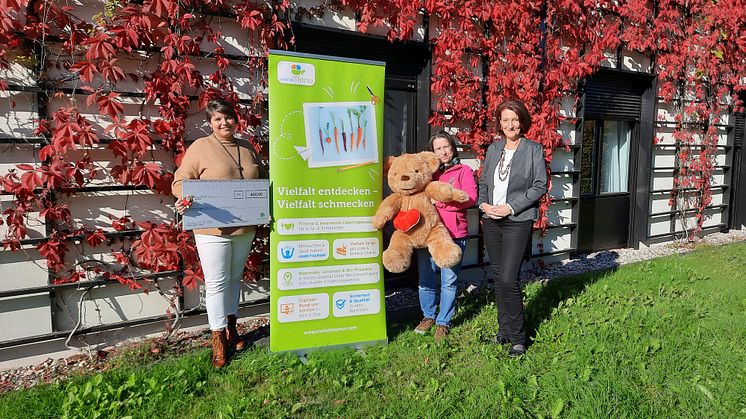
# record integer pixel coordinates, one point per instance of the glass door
(604, 184)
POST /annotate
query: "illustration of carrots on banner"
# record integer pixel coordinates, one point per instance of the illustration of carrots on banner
(329, 120)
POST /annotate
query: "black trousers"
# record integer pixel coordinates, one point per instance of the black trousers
(506, 243)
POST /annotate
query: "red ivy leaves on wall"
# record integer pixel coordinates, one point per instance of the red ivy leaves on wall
(536, 51)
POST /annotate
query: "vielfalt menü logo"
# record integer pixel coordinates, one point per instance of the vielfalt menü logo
(303, 74)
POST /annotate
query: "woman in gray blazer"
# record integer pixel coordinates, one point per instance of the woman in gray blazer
(513, 179)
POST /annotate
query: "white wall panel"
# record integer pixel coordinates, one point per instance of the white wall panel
(86, 10)
(19, 71)
(713, 217)
(344, 20)
(664, 136)
(235, 39)
(83, 256)
(567, 107)
(562, 187)
(109, 304)
(664, 157)
(666, 111)
(635, 61)
(15, 154)
(662, 181)
(104, 160)
(246, 80)
(133, 108)
(659, 225)
(718, 198)
(97, 209)
(139, 64)
(25, 316)
(472, 218)
(22, 269)
(659, 203)
(35, 225)
(562, 160)
(471, 253)
(567, 131)
(18, 114)
(560, 213)
(251, 291)
(557, 239)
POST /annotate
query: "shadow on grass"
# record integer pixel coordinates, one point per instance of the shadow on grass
(539, 307)
(402, 320)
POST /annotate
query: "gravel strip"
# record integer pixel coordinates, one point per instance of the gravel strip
(257, 329)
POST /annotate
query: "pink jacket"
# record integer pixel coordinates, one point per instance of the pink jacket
(454, 214)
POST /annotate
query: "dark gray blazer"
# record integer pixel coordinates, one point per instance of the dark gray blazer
(527, 182)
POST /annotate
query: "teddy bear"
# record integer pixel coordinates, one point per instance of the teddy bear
(415, 219)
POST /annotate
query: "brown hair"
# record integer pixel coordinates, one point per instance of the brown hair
(220, 105)
(519, 108)
(443, 134)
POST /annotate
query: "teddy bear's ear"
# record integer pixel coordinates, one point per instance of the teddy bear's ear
(387, 162)
(430, 159)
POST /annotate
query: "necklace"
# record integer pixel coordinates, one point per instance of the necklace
(502, 172)
(504, 169)
(237, 162)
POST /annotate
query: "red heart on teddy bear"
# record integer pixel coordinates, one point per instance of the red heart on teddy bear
(405, 220)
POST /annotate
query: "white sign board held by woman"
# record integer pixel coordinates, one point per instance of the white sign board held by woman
(226, 203)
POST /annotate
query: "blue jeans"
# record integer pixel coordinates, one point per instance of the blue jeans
(427, 291)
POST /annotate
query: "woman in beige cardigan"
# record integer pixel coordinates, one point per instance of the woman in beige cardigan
(223, 251)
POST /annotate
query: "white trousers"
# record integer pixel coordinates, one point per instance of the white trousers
(223, 259)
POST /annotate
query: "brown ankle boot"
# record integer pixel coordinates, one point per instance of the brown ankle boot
(219, 348)
(231, 334)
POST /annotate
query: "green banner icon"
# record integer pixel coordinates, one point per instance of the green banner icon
(325, 147)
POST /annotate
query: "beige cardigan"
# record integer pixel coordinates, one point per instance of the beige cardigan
(207, 159)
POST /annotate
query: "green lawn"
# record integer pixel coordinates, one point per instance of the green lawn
(664, 338)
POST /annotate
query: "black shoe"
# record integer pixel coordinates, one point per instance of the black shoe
(500, 340)
(516, 350)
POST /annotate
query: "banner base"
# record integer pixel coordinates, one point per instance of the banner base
(355, 345)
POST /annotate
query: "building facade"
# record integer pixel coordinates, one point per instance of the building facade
(619, 167)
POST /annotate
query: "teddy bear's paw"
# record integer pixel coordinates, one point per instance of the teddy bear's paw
(447, 257)
(394, 263)
(378, 221)
(460, 196)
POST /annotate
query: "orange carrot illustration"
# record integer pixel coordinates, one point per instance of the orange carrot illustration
(359, 130)
(365, 131)
(336, 133)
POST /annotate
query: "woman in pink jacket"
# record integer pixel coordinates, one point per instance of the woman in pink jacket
(453, 216)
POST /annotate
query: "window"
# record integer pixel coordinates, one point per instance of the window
(604, 166)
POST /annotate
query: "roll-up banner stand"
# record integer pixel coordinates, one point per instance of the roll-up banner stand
(325, 147)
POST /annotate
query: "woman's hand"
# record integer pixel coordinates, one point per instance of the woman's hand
(183, 204)
(503, 210)
(496, 211)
